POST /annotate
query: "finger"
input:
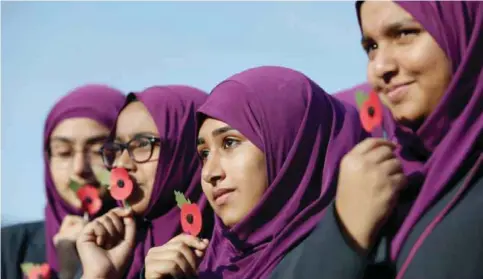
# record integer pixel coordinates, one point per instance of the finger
(87, 234)
(175, 270)
(117, 222)
(189, 255)
(179, 252)
(399, 181)
(101, 233)
(199, 253)
(66, 222)
(129, 231)
(392, 166)
(181, 261)
(371, 143)
(121, 211)
(113, 235)
(380, 154)
(109, 225)
(191, 241)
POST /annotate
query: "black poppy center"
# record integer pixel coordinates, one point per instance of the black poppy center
(190, 219)
(371, 111)
(120, 183)
(88, 200)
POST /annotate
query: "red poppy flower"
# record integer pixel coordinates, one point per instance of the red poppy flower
(371, 112)
(191, 218)
(121, 185)
(89, 196)
(40, 272)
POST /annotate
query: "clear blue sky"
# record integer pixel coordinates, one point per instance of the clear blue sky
(50, 48)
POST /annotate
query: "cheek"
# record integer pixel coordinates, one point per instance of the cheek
(61, 179)
(251, 179)
(421, 58)
(145, 175)
(427, 63)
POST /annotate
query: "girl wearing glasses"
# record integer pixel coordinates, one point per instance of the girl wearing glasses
(74, 132)
(154, 141)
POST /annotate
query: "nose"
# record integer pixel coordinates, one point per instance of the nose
(212, 171)
(81, 167)
(124, 161)
(384, 65)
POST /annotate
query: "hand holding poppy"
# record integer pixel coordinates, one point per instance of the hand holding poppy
(370, 179)
(70, 229)
(105, 244)
(179, 258)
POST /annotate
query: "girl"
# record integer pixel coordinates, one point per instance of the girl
(75, 129)
(270, 141)
(425, 63)
(155, 143)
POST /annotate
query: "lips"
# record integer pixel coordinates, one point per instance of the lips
(397, 92)
(221, 193)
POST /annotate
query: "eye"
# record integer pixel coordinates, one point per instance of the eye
(369, 46)
(63, 154)
(407, 32)
(203, 154)
(229, 143)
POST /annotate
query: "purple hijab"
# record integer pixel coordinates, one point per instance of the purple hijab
(303, 132)
(457, 122)
(173, 110)
(97, 102)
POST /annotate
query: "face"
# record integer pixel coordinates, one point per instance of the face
(406, 65)
(136, 127)
(234, 174)
(74, 154)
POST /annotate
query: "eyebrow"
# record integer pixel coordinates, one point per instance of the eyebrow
(221, 130)
(215, 133)
(136, 135)
(91, 140)
(390, 28)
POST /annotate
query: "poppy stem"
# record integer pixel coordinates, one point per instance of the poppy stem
(126, 204)
(86, 216)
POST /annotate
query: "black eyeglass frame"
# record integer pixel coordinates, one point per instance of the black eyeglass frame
(125, 146)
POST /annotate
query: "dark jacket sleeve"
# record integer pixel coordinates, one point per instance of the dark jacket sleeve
(69, 261)
(21, 243)
(326, 253)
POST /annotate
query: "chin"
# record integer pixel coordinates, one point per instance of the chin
(408, 113)
(138, 208)
(229, 221)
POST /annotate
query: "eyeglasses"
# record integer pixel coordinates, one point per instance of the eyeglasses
(139, 148)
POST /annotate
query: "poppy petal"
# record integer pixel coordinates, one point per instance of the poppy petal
(191, 220)
(89, 197)
(371, 112)
(121, 184)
